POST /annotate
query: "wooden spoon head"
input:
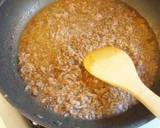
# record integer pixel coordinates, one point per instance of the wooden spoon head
(113, 66)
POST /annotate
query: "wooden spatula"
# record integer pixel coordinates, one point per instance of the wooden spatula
(115, 67)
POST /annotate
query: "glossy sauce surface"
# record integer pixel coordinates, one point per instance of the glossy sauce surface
(55, 42)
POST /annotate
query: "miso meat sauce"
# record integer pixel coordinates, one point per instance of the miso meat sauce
(55, 42)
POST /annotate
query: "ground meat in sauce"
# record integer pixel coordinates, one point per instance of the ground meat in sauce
(55, 42)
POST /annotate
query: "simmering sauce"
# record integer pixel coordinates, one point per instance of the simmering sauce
(55, 42)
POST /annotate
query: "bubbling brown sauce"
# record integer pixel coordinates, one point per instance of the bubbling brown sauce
(55, 42)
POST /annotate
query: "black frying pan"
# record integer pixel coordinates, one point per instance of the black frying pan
(14, 14)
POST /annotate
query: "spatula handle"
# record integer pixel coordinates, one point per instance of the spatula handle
(149, 99)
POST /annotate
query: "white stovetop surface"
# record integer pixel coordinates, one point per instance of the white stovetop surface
(152, 124)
